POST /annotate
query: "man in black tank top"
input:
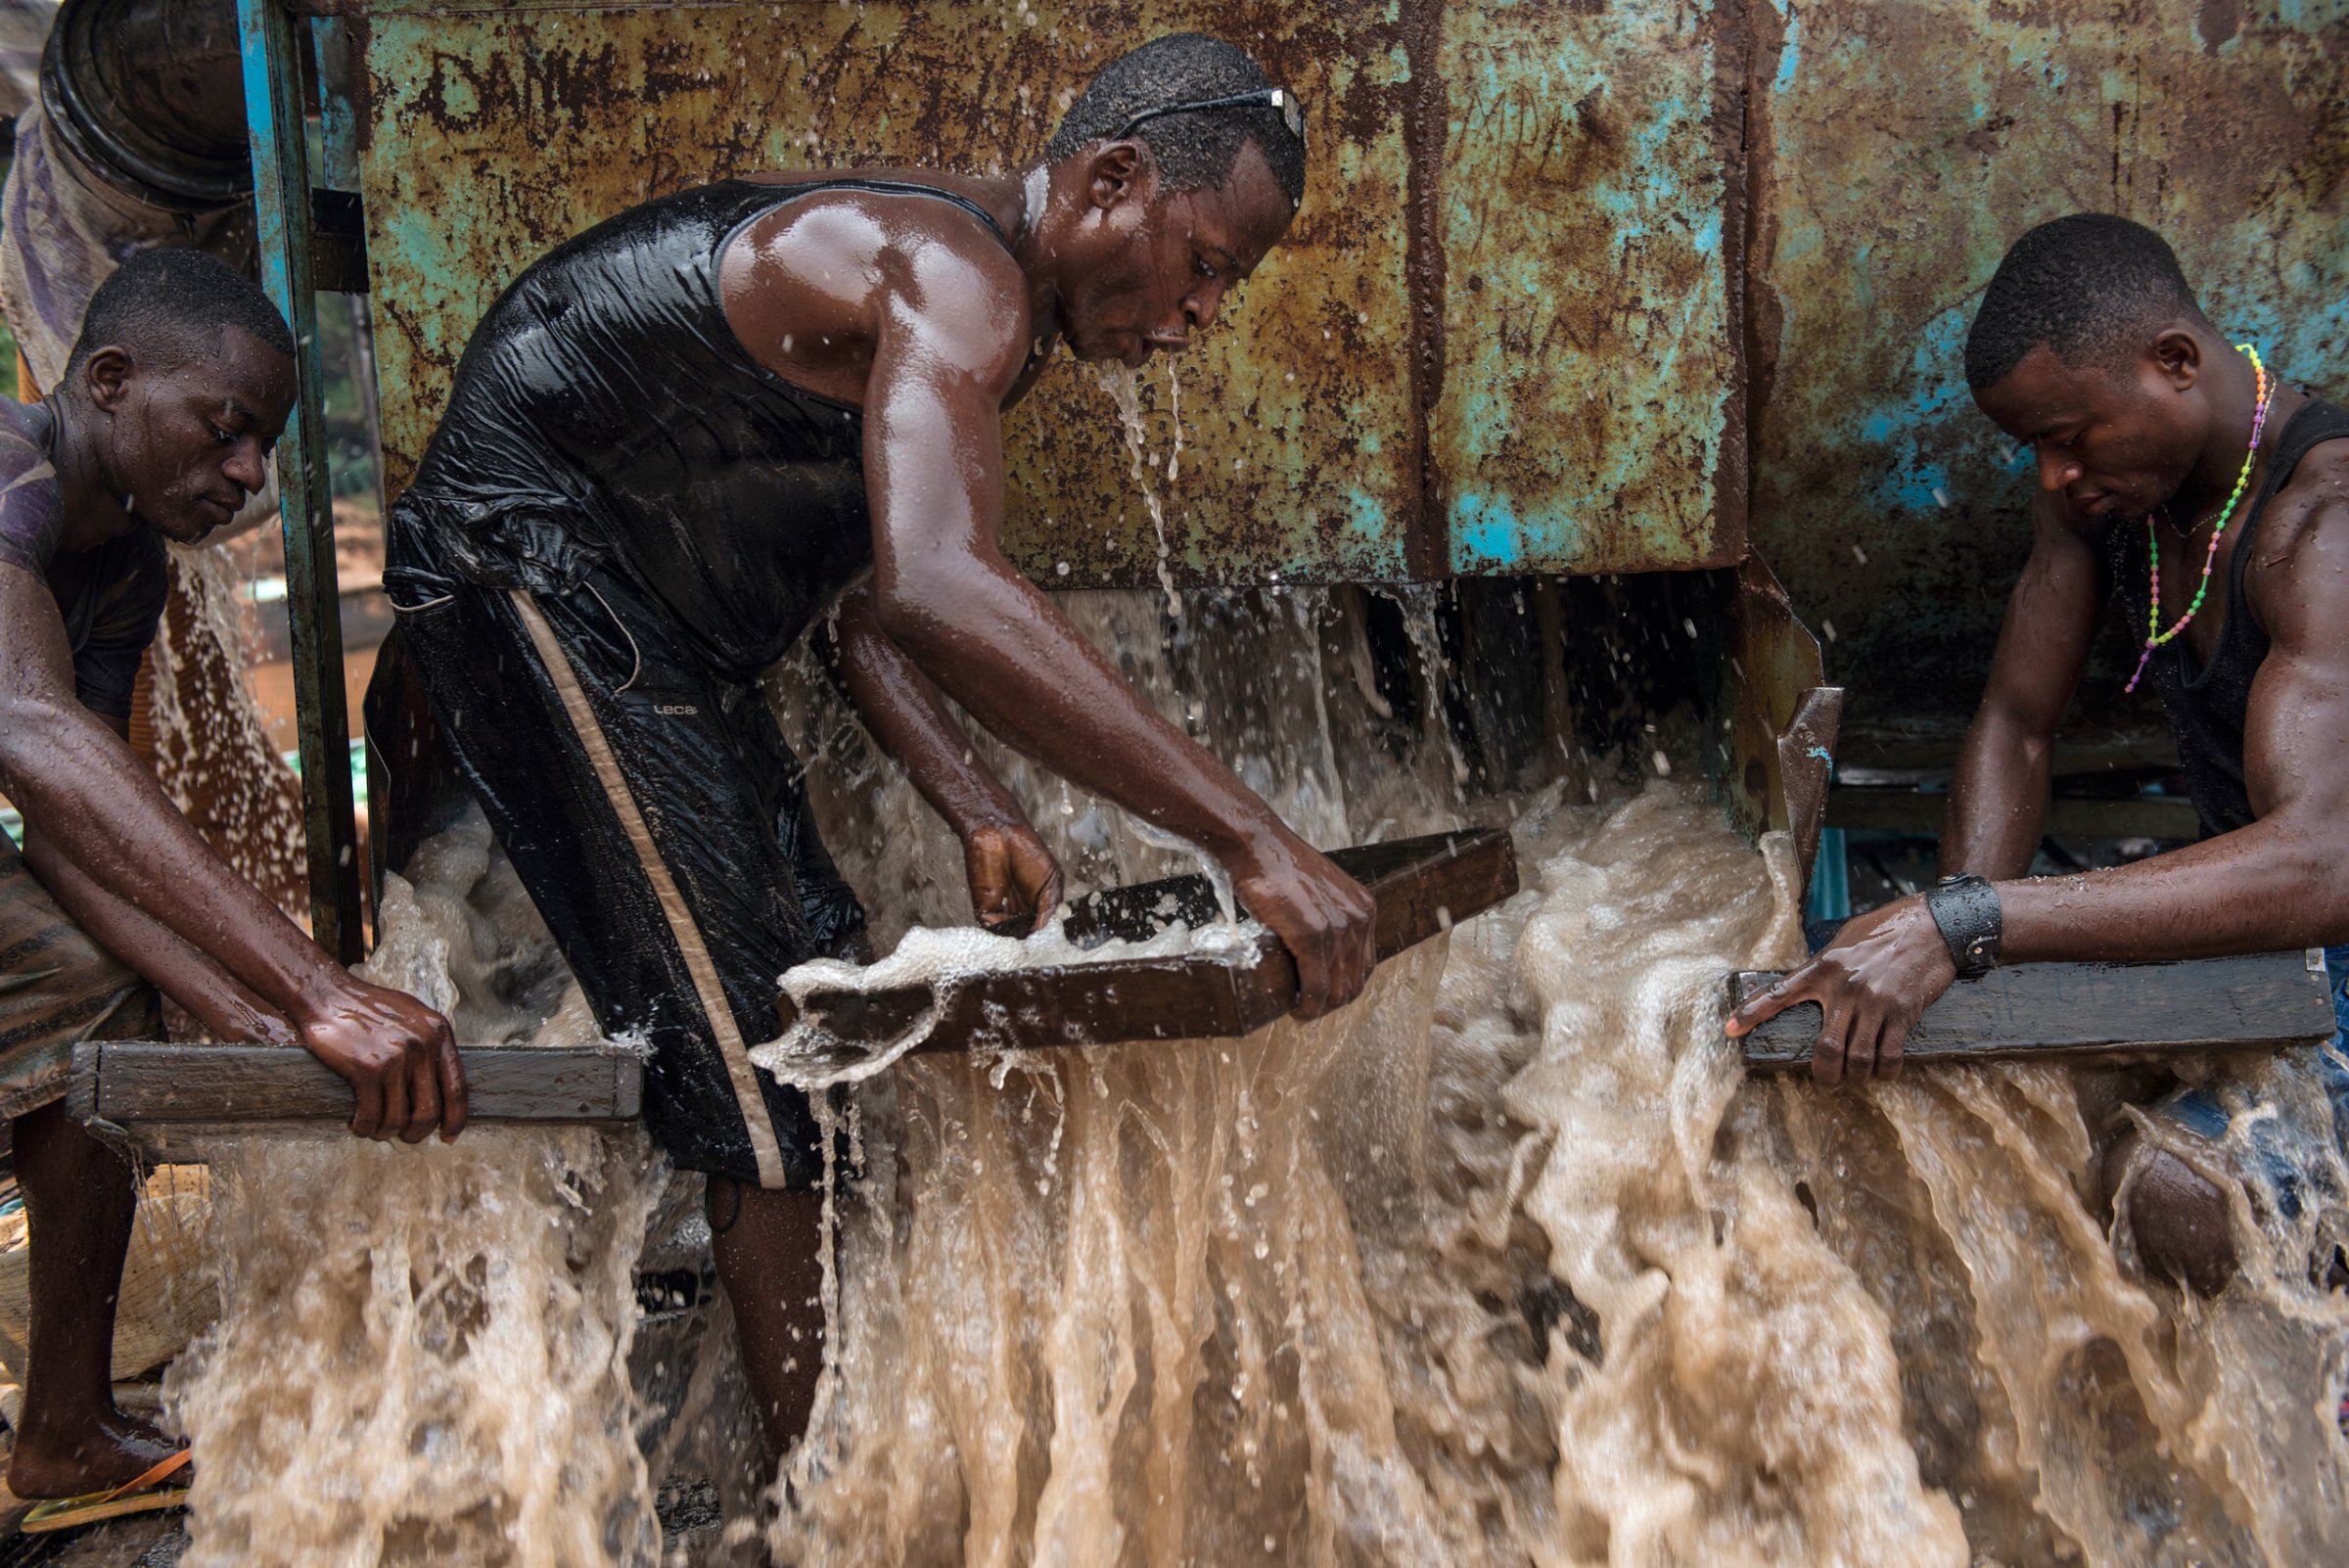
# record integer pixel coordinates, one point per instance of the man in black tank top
(2151, 431)
(681, 440)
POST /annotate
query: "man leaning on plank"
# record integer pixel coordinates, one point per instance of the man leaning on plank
(2185, 483)
(159, 430)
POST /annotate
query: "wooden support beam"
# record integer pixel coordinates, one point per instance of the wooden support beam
(2087, 1012)
(1423, 887)
(135, 1084)
(2138, 816)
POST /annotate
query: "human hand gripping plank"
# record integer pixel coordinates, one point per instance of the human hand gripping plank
(1871, 984)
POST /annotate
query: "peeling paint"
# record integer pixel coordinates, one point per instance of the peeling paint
(1564, 264)
(1444, 288)
(1917, 141)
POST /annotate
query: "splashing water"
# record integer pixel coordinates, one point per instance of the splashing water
(1511, 1263)
(423, 1351)
(1507, 1265)
(213, 754)
(940, 961)
(1124, 387)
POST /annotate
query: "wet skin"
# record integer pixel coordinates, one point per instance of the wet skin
(187, 443)
(2165, 436)
(907, 309)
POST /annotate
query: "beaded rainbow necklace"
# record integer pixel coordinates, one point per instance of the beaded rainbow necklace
(2154, 635)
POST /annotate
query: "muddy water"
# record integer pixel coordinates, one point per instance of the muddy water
(1510, 1264)
(423, 1353)
(1507, 1265)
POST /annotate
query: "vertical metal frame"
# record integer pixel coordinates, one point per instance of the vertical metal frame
(276, 115)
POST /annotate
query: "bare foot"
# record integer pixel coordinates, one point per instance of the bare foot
(120, 1449)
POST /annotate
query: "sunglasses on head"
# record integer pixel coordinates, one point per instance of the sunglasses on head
(1278, 99)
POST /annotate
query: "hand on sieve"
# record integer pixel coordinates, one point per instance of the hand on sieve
(399, 1057)
(1013, 876)
(1324, 917)
(1872, 984)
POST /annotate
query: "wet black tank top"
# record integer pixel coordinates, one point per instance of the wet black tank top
(2207, 704)
(605, 416)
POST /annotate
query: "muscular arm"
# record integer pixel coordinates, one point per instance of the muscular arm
(2282, 881)
(170, 965)
(131, 861)
(1011, 872)
(177, 969)
(948, 343)
(1999, 798)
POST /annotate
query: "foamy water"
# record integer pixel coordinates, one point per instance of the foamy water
(422, 1356)
(941, 961)
(1507, 1263)
(1511, 1263)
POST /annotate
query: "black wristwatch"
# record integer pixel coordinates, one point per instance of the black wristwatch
(1966, 912)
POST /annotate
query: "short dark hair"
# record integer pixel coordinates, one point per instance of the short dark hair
(176, 300)
(2092, 287)
(1194, 151)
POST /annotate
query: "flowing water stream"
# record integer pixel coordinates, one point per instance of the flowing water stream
(1510, 1264)
(1507, 1263)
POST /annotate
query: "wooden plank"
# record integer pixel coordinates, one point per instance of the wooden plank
(2138, 817)
(1422, 886)
(2096, 1011)
(136, 1082)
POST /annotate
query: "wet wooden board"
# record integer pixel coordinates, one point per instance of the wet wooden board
(1423, 887)
(135, 1082)
(2087, 1012)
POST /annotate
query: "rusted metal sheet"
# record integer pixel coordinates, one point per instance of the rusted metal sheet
(1501, 337)
(1591, 413)
(1901, 146)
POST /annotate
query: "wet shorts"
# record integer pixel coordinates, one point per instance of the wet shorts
(660, 823)
(57, 987)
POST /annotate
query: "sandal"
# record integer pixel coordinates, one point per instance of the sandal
(151, 1493)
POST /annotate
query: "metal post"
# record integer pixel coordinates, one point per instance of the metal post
(275, 112)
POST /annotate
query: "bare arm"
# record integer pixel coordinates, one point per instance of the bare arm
(2282, 882)
(131, 854)
(178, 970)
(1999, 798)
(949, 341)
(1011, 872)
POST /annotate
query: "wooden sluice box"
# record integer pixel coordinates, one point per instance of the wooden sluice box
(158, 1093)
(2099, 1012)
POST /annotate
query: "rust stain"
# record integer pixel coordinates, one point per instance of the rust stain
(1427, 117)
(1908, 143)
(1733, 44)
(2218, 22)
(1588, 417)
(1332, 427)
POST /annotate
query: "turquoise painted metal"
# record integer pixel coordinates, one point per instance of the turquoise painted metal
(275, 111)
(1564, 264)
(1591, 408)
(1908, 143)
(1501, 339)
